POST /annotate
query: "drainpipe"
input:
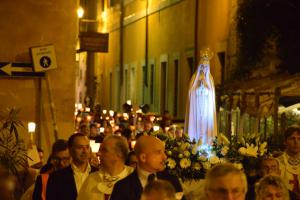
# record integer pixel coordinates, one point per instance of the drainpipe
(121, 38)
(90, 65)
(146, 36)
(196, 34)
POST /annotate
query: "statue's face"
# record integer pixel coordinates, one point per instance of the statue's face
(204, 68)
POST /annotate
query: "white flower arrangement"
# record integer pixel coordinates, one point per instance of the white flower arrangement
(189, 161)
(240, 150)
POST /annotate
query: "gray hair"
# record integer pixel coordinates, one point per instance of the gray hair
(221, 170)
(276, 181)
(120, 145)
(162, 188)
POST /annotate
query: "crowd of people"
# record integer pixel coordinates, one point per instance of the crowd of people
(120, 170)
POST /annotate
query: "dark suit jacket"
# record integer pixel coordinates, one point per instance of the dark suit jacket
(37, 192)
(130, 188)
(61, 185)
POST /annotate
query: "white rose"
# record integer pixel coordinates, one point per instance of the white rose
(202, 158)
(206, 165)
(197, 166)
(186, 153)
(171, 163)
(214, 160)
(224, 150)
(185, 163)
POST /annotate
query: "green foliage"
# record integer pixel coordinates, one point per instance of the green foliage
(13, 155)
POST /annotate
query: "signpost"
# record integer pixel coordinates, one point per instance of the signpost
(43, 58)
(8, 69)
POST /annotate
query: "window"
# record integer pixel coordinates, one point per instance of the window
(145, 82)
(126, 84)
(163, 91)
(176, 85)
(110, 89)
(152, 84)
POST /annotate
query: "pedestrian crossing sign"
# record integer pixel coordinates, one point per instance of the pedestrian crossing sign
(43, 58)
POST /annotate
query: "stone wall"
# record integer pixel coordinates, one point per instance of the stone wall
(30, 23)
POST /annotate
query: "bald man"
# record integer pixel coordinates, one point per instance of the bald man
(150, 152)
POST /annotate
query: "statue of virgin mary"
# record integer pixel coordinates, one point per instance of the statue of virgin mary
(200, 117)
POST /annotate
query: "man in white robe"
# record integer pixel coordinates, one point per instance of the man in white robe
(289, 161)
(99, 185)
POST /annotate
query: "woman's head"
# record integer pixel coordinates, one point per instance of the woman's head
(271, 187)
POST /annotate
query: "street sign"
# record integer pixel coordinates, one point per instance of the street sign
(8, 69)
(43, 58)
(93, 42)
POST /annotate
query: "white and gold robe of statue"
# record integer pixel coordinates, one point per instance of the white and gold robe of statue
(200, 117)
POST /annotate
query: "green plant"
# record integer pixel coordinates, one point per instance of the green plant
(13, 154)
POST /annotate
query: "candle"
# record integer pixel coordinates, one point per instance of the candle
(152, 118)
(79, 106)
(94, 146)
(111, 113)
(78, 119)
(31, 129)
(155, 128)
(139, 111)
(133, 142)
(89, 117)
(87, 109)
(125, 116)
(116, 128)
(128, 102)
(104, 112)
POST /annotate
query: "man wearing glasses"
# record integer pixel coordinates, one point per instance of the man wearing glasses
(65, 184)
(59, 159)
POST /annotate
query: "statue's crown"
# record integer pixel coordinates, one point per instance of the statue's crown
(205, 55)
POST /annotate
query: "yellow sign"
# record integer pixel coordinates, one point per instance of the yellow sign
(43, 58)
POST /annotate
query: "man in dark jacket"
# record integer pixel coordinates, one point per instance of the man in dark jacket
(151, 157)
(65, 184)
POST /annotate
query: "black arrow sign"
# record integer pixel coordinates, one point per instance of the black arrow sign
(8, 69)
